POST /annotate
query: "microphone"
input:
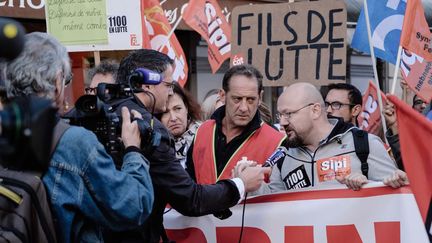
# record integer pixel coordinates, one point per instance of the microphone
(277, 156)
(11, 38)
(144, 76)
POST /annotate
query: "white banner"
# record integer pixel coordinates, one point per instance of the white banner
(373, 214)
(123, 25)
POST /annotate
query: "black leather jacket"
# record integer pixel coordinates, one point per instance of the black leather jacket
(173, 185)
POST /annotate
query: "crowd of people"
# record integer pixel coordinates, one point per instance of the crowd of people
(198, 159)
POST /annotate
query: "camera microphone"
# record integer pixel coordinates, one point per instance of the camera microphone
(278, 155)
(143, 76)
(11, 38)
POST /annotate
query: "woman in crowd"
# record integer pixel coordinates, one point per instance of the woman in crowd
(210, 103)
(182, 118)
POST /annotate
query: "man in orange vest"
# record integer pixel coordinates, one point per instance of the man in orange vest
(235, 131)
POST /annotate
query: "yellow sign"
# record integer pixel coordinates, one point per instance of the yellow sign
(77, 22)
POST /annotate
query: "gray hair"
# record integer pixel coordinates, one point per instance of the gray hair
(105, 67)
(36, 69)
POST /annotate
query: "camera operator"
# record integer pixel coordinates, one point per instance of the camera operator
(86, 192)
(171, 182)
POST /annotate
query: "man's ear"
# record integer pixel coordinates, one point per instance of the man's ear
(148, 87)
(355, 111)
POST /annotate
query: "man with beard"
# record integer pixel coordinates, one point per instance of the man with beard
(321, 150)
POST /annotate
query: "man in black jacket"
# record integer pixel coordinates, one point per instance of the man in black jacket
(171, 182)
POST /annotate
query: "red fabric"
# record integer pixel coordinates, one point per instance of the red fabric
(155, 33)
(416, 36)
(415, 133)
(370, 117)
(206, 18)
(258, 147)
(417, 72)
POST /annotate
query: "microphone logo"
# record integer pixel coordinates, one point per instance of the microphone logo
(278, 155)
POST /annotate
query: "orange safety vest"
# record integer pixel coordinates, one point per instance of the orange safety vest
(257, 147)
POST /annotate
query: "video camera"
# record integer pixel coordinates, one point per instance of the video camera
(26, 123)
(26, 130)
(96, 113)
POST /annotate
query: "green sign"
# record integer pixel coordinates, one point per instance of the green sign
(77, 22)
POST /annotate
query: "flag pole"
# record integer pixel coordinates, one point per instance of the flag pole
(396, 71)
(374, 68)
(171, 32)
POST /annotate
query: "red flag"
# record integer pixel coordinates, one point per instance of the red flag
(370, 117)
(414, 136)
(417, 72)
(206, 18)
(157, 29)
(416, 36)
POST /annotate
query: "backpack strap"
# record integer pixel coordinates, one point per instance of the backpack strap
(59, 129)
(361, 145)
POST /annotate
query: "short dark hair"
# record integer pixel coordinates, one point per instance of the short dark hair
(105, 67)
(144, 58)
(245, 70)
(354, 95)
(194, 109)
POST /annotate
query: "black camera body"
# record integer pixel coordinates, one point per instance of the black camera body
(96, 113)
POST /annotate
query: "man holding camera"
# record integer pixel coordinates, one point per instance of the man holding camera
(171, 182)
(86, 192)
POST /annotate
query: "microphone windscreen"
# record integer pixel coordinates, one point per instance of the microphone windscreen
(11, 38)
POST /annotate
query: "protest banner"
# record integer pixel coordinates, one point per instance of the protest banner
(80, 26)
(373, 214)
(159, 36)
(416, 36)
(417, 72)
(207, 19)
(414, 132)
(370, 117)
(292, 42)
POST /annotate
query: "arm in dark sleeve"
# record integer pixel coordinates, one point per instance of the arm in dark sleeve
(393, 141)
(174, 185)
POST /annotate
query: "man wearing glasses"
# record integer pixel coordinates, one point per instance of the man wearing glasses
(105, 72)
(321, 150)
(172, 184)
(344, 101)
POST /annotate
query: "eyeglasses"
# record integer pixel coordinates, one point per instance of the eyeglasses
(68, 79)
(288, 115)
(90, 90)
(168, 84)
(419, 102)
(336, 105)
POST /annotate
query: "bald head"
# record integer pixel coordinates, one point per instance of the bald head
(302, 94)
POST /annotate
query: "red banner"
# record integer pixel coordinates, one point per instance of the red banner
(417, 72)
(370, 117)
(414, 134)
(373, 214)
(206, 18)
(157, 29)
(416, 36)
